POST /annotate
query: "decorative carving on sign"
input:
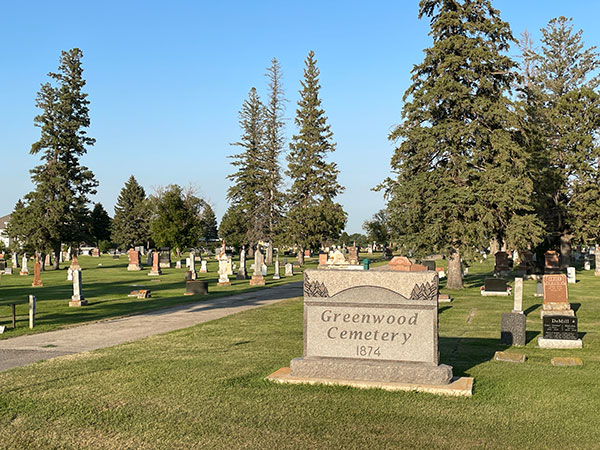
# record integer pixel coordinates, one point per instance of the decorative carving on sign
(425, 291)
(314, 288)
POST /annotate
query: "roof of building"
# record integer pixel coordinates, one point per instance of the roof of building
(3, 221)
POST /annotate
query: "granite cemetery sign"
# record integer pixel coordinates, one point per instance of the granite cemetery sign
(372, 328)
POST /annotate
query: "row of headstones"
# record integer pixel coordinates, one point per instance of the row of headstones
(559, 322)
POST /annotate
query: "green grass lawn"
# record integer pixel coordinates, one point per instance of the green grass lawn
(204, 387)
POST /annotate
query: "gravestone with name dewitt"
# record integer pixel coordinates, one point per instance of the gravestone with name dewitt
(559, 324)
(372, 329)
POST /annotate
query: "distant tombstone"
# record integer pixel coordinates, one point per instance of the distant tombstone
(276, 275)
(77, 299)
(8, 271)
(502, 264)
(15, 261)
(24, 269)
(258, 278)
(48, 260)
(178, 264)
(518, 296)
(353, 255)
(37, 274)
(134, 260)
(165, 258)
(494, 286)
(378, 327)
(223, 267)
(95, 253)
(203, 268)
(429, 264)
(2, 265)
(552, 262)
(587, 265)
(289, 270)
(263, 269)
(370, 250)
(539, 289)
(307, 254)
(75, 262)
(322, 259)
(155, 271)
(196, 287)
(150, 258)
(229, 265)
(192, 265)
(242, 272)
(571, 275)
(188, 275)
(69, 274)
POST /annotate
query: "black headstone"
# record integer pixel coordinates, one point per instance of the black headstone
(495, 285)
(429, 264)
(188, 275)
(2, 265)
(196, 287)
(560, 327)
(512, 329)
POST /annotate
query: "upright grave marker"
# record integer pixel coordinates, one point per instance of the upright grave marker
(513, 325)
(372, 329)
(77, 299)
(24, 268)
(559, 324)
(134, 260)
(155, 271)
(37, 274)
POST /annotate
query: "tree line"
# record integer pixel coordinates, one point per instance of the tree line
(493, 150)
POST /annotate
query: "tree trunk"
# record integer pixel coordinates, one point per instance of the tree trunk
(56, 264)
(565, 250)
(455, 275)
(597, 258)
(42, 260)
(269, 257)
(494, 247)
(300, 256)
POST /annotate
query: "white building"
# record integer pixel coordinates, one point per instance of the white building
(3, 236)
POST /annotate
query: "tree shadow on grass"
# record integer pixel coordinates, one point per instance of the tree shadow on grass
(465, 353)
(444, 308)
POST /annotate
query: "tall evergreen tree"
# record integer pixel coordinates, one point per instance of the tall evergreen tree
(57, 208)
(208, 223)
(313, 217)
(274, 141)
(247, 195)
(100, 224)
(462, 171)
(176, 222)
(564, 118)
(233, 227)
(131, 223)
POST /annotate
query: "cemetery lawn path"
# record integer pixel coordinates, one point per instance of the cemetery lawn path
(26, 349)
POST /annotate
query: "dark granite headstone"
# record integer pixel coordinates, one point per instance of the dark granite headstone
(429, 264)
(495, 285)
(512, 329)
(196, 287)
(559, 327)
(2, 265)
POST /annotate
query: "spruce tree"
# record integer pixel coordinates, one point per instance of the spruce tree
(130, 226)
(313, 218)
(208, 224)
(57, 208)
(100, 224)
(462, 171)
(564, 120)
(247, 193)
(176, 222)
(274, 141)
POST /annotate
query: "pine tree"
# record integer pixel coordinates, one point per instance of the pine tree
(176, 222)
(208, 224)
(130, 226)
(462, 172)
(313, 217)
(100, 224)
(564, 112)
(233, 227)
(274, 141)
(247, 193)
(57, 208)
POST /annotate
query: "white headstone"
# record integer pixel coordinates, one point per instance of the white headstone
(24, 268)
(276, 275)
(263, 269)
(69, 274)
(587, 265)
(571, 278)
(518, 296)
(289, 270)
(203, 268)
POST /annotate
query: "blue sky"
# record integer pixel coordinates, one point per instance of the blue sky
(166, 81)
